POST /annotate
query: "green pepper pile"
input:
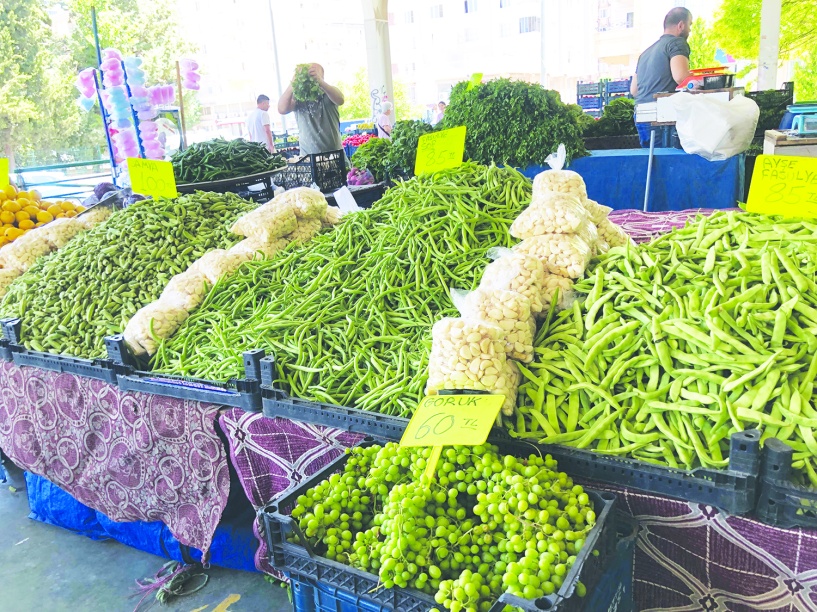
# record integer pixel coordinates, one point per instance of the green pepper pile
(348, 316)
(70, 300)
(674, 345)
(219, 159)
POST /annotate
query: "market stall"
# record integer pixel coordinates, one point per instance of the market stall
(613, 357)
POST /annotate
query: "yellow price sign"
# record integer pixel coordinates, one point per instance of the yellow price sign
(784, 185)
(476, 79)
(150, 177)
(440, 150)
(4, 171)
(448, 420)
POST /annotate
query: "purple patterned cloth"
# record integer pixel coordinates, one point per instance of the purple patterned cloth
(643, 226)
(132, 456)
(272, 455)
(693, 557)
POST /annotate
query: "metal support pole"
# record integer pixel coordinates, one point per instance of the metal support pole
(649, 172)
(96, 37)
(277, 64)
(183, 142)
(769, 44)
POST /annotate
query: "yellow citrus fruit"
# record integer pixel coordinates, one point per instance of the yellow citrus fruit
(66, 206)
(13, 232)
(12, 206)
(3, 196)
(10, 190)
(31, 210)
(54, 210)
(22, 215)
(44, 216)
(35, 195)
(60, 216)
(26, 225)
(7, 217)
(81, 208)
(71, 213)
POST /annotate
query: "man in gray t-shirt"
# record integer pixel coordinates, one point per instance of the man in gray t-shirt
(318, 121)
(664, 65)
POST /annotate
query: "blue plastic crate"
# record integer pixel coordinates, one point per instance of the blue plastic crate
(589, 89)
(618, 86)
(591, 102)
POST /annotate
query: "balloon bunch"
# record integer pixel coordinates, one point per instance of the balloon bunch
(190, 78)
(87, 89)
(161, 94)
(143, 106)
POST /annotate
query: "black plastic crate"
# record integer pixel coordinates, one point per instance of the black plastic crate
(733, 490)
(589, 89)
(262, 181)
(326, 170)
(606, 143)
(244, 393)
(782, 503)
(365, 195)
(100, 369)
(773, 105)
(300, 561)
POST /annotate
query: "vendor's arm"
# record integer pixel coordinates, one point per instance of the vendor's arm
(287, 102)
(680, 68)
(678, 52)
(334, 94)
(634, 86)
(270, 142)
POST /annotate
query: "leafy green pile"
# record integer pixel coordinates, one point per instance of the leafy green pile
(513, 123)
(617, 120)
(403, 152)
(372, 156)
(304, 87)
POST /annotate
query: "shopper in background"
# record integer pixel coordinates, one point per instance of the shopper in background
(258, 124)
(438, 116)
(384, 121)
(318, 121)
(663, 66)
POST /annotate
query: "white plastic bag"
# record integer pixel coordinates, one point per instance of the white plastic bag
(712, 128)
(557, 180)
(515, 272)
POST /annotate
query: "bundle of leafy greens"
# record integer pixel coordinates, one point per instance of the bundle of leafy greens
(304, 87)
(513, 123)
(403, 152)
(617, 120)
(372, 156)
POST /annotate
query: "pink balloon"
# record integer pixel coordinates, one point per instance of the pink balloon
(110, 52)
(139, 91)
(191, 85)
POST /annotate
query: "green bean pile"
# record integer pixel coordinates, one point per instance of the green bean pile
(69, 301)
(348, 316)
(674, 345)
(219, 159)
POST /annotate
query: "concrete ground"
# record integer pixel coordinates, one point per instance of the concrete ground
(48, 568)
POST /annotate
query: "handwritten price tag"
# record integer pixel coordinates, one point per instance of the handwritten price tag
(440, 150)
(4, 171)
(476, 79)
(784, 186)
(447, 420)
(152, 178)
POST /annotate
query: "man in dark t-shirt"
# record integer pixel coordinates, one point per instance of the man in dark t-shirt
(664, 65)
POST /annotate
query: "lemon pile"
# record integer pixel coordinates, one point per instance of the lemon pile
(21, 211)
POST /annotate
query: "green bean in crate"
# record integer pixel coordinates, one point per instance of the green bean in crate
(348, 316)
(674, 345)
(219, 159)
(69, 301)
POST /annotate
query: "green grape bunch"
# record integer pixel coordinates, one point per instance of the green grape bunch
(487, 523)
(304, 87)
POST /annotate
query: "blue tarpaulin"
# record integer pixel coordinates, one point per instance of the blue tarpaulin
(680, 181)
(233, 547)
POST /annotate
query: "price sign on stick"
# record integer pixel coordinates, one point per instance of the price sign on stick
(448, 420)
(152, 178)
(4, 171)
(440, 150)
(476, 79)
(784, 186)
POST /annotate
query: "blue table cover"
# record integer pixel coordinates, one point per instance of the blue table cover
(234, 543)
(617, 178)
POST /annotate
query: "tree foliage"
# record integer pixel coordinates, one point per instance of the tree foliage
(358, 104)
